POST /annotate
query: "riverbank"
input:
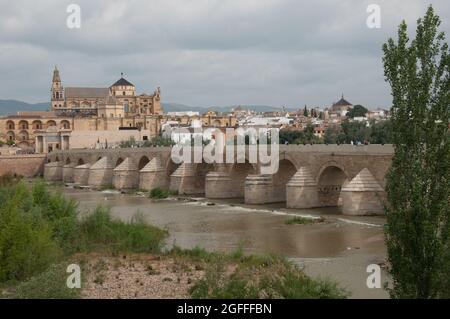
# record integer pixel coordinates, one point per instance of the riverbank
(43, 236)
(340, 248)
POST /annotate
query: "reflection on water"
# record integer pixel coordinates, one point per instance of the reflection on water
(257, 229)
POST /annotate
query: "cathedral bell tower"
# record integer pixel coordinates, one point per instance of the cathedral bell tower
(57, 97)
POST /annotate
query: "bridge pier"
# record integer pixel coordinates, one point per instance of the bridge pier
(126, 175)
(221, 184)
(259, 189)
(302, 190)
(53, 171)
(81, 174)
(101, 173)
(186, 180)
(363, 195)
(67, 173)
(153, 175)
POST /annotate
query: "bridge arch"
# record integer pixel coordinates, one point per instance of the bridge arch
(238, 174)
(330, 180)
(118, 161)
(286, 169)
(143, 161)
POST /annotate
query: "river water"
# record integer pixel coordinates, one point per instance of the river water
(340, 248)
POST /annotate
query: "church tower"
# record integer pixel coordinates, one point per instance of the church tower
(57, 91)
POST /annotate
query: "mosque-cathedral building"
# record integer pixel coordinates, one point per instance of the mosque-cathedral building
(82, 117)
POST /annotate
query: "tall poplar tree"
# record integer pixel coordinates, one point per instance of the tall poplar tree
(418, 183)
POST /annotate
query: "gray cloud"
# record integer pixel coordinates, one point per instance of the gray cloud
(206, 52)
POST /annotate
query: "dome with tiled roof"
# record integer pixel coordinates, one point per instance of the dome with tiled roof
(342, 102)
(341, 105)
(122, 82)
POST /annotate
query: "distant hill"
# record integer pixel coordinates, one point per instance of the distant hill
(177, 107)
(13, 106)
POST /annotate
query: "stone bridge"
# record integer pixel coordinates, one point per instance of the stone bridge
(347, 176)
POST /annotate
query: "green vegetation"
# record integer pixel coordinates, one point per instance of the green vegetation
(131, 142)
(155, 141)
(300, 137)
(374, 133)
(159, 141)
(39, 228)
(357, 111)
(303, 220)
(418, 185)
(50, 284)
(41, 233)
(160, 193)
(98, 231)
(235, 275)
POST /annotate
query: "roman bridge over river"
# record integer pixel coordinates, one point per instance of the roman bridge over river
(349, 176)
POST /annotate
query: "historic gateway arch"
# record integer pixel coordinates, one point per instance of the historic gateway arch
(347, 176)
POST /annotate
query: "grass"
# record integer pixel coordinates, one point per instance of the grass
(238, 276)
(303, 221)
(50, 284)
(100, 232)
(160, 193)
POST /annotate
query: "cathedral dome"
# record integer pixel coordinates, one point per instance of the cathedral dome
(122, 82)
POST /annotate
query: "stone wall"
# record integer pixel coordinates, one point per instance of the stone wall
(23, 165)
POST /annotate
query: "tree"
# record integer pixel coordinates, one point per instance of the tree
(417, 184)
(381, 132)
(357, 110)
(355, 131)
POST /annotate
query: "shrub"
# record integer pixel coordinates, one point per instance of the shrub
(26, 245)
(160, 193)
(39, 227)
(261, 277)
(99, 231)
(50, 284)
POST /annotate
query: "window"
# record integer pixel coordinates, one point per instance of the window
(123, 93)
(145, 138)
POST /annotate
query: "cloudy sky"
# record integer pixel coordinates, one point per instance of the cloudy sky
(206, 52)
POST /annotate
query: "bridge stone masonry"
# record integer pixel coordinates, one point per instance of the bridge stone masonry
(346, 176)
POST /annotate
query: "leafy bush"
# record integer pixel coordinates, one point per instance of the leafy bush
(99, 231)
(26, 243)
(39, 227)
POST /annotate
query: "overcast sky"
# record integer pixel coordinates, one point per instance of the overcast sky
(206, 52)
